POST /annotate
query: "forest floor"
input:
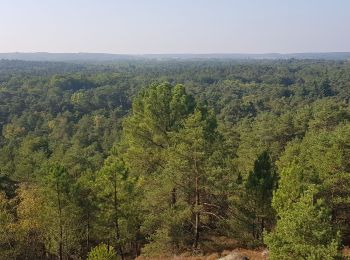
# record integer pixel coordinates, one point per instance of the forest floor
(217, 247)
(346, 251)
(251, 254)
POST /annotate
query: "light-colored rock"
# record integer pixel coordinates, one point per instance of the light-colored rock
(265, 253)
(234, 256)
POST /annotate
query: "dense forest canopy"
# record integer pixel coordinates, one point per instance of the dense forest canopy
(160, 157)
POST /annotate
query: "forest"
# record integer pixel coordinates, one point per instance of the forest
(155, 158)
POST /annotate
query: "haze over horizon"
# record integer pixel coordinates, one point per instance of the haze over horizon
(173, 27)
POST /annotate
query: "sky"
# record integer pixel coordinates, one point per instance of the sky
(174, 26)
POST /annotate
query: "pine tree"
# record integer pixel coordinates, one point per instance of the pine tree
(192, 168)
(62, 215)
(118, 199)
(102, 252)
(157, 113)
(304, 231)
(260, 185)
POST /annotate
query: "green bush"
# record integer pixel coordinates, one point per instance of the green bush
(304, 231)
(102, 252)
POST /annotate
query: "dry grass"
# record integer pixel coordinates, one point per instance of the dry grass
(346, 252)
(251, 254)
(214, 248)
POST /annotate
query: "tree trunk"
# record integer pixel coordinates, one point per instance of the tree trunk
(88, 232)
(262, 228)
(197, 204)
(197, 216)
(60, 253)
(116, 222)
(173, 197)
(43, 254)
(253, 231)
(137, 244)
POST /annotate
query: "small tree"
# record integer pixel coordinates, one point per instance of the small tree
(62, 217)
(259, 188)
(7, 249)
(102, 252)
(119, 205)
(304, 231)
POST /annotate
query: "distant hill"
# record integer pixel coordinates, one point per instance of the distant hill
(243, 56)
(105, 57)
(66, 57)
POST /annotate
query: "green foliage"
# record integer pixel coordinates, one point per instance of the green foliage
(161, 244)
(62, 213)
(32, 222)
(262, 180)
(290, 187)
(193, 170)
(252, 209)
(321, 159)
(118, 197)
(7, 232)
(102, 252)
(304, 231)
(161, 157)
(312, 195)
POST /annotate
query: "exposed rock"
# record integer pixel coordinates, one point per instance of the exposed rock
(234, 256)
(265, 253)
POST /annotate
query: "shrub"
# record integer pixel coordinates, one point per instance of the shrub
(102, 252)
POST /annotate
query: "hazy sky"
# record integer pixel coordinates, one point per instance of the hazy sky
(175, 26)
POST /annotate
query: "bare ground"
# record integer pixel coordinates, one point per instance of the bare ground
(214, 248)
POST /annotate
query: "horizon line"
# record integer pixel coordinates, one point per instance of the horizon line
(176, 53)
